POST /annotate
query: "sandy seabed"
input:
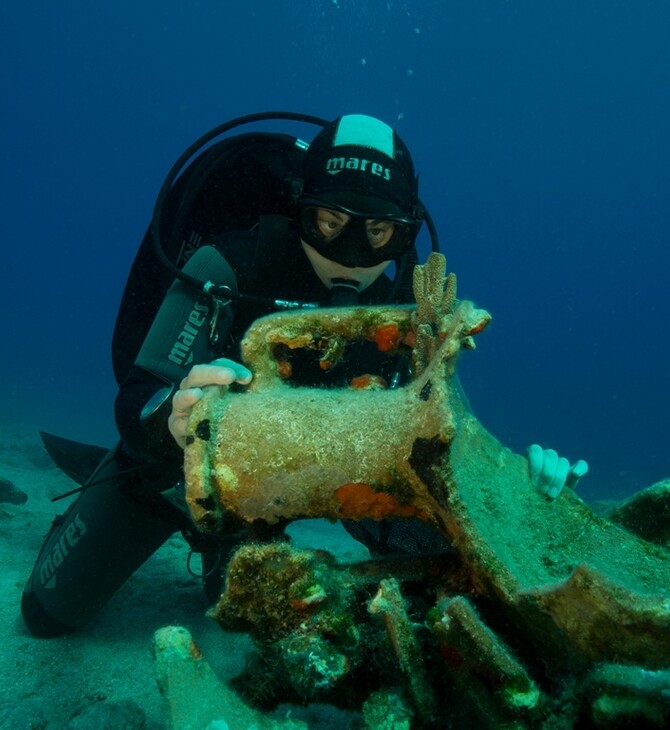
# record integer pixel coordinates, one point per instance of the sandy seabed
(103, 676)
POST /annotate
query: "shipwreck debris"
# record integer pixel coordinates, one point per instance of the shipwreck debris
(554, 592)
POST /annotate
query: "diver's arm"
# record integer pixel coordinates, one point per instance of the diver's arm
(148, 439)
(189, 327)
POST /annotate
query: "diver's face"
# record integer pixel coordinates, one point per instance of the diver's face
(330, 224)
(330, 272)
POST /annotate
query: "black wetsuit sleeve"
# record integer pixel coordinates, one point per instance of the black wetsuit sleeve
(154, 443)
(178, 337)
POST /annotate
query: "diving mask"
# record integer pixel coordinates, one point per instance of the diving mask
(355, 239)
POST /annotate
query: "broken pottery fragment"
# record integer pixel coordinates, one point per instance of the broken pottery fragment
(194, 695)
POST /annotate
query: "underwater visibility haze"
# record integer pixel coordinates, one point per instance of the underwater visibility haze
(539, 130)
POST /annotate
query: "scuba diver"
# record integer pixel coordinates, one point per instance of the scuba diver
(242, 226)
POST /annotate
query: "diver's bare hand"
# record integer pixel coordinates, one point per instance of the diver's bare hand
(194, 386)
(550, 472)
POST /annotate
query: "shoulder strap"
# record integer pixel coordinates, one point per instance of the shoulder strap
(228, 187)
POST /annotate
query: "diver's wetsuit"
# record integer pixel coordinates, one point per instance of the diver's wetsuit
(117, 523)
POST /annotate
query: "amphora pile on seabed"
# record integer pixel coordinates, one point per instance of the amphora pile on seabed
(543, 615)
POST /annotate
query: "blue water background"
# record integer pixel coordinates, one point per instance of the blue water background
(540, 130)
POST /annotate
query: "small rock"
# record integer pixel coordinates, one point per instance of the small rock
(10, 493)
(647, 513)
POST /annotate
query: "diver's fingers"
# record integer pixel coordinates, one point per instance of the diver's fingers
(535, 458)
(550, 472)
(557, 481)
(184, 400)
(549, 465)
(182, 404)
(218, 372)
(242, 375)
(577, 471)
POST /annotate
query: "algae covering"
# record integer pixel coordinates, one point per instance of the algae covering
(543, 614)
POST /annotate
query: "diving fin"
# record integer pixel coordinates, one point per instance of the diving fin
(75, 459)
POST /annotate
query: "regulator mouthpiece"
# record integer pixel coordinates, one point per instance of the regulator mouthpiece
(343, 293)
